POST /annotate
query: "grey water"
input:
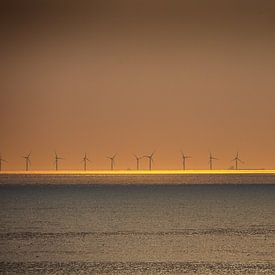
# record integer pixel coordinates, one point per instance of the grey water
(79, 225)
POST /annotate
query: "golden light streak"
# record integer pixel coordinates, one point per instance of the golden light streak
(137, 172)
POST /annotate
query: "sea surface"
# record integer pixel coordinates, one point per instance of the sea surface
(77, 224)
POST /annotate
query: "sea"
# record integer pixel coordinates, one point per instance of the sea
(134, 224)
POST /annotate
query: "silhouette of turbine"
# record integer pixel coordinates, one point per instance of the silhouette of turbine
(1, 161)
(237, 159)
(138, 159)
(56, 160)
(184, 158)
(112, 159)
(211, 158)
(85, 159)
(150, 159)
(27, 161)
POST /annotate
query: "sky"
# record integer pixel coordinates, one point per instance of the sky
(131, 77)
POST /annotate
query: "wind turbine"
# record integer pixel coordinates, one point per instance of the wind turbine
(237, 159)
(56, 159)
(1, 161)
(138, 159)
(150, 159)
(184, 158)
(27, 160)
(85, 159)
(211, 158)
(112, 159)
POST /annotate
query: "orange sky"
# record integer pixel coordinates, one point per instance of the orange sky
(136, 77)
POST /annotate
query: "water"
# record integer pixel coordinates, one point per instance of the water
(51, 226)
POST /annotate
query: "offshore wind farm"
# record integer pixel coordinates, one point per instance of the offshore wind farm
(137, 170)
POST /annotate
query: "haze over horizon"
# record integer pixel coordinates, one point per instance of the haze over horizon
(130, 78)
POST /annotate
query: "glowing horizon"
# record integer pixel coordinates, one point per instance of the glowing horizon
(140, 172)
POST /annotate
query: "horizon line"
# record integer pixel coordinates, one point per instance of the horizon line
(139, 172)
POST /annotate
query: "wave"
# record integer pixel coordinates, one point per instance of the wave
(135, 268)
(188, 232)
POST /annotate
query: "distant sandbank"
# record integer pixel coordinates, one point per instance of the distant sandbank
(142, 177)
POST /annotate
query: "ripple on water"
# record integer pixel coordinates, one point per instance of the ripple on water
(135, 268)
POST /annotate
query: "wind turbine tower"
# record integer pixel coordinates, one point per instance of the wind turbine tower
(138, 160)
(211, 158)
(112, 159)
(56, 161)
(237, 160)
(85, 160)
(1, 161)
(150, 159)
(27, 161)
(184, 158)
